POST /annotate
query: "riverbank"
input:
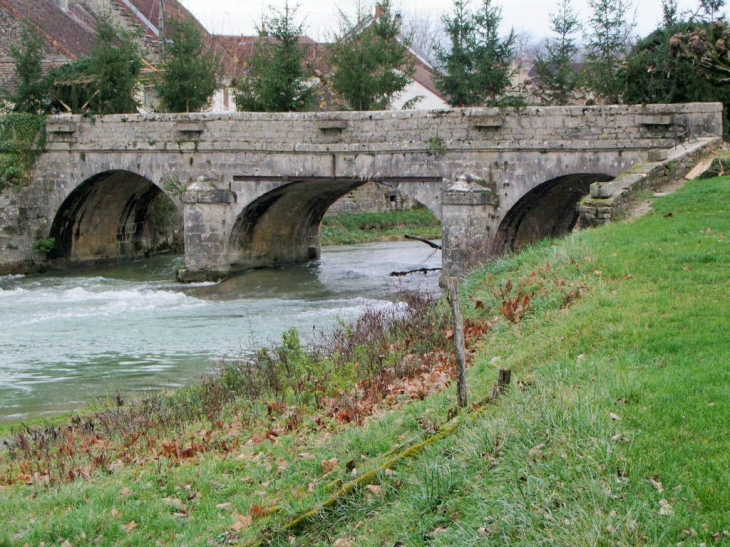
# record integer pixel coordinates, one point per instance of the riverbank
(347, 229)
(613, 432)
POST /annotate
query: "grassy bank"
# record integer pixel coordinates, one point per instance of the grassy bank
(614, 432)
(370, 227)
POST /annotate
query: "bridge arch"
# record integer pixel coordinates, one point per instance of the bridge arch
(548, 210)
(283, 225)
(114, 214)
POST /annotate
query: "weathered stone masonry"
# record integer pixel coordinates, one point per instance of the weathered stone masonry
(254, 187)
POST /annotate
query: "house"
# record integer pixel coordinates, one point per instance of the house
(421, 93)
(68, 29)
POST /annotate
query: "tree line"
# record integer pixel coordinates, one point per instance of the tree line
(369, 62)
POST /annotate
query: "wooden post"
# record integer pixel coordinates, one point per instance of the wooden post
(453, 294)
(505, 377)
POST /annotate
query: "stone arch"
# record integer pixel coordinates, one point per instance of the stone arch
(548, 210)
(112, 215)
(282, 226)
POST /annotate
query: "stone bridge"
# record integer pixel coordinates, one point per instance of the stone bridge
(253, 188)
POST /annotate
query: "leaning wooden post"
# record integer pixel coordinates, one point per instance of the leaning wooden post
(453, 293)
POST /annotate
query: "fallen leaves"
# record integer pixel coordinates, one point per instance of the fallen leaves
(130, 526)
(174, 449)
(328, 466)
(241, 523)
(257, 512)
(665, 508)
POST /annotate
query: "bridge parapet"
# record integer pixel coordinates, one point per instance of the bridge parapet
(432, 132)
(609, 201)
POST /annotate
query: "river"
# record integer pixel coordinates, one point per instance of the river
(68, 339)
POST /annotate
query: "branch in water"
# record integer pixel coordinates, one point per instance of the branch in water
(426, 241)
(424, 271)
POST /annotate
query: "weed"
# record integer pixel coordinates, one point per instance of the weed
(44, 245)
(174, 187)
(437, 147)
(22, 138)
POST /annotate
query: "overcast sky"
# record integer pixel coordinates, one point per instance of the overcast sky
(320, 16)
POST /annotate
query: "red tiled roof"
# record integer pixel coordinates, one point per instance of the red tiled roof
(70, 32)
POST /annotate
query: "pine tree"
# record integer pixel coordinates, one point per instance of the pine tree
(115, 65)
(457, 63)
(106, 81)
(607, 46)
(476, 67)
(191, 71)
(555, 68)
(370, 59)
(276, 80)
(31, 91)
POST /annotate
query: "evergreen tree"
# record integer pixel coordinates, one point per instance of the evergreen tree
(555, 68)
(663, 67)
(670, 12)
(191, 71)
(370, 59)
(276, 80)
(106, 81)
(457, 62)
(607, 46)
(476, 67)
(31, 92)
(115, 66)
(653, 75)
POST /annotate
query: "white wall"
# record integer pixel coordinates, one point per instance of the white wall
(430, 99)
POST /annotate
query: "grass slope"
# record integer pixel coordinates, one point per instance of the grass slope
(615, 433)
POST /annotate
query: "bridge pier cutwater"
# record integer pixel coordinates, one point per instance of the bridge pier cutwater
(252, 188)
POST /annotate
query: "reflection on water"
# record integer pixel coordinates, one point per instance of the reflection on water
(69, 338)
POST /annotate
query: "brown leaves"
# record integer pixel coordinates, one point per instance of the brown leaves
(328, 466)
(130, 526)
(241, 523)
(514, 308)
(174, 449)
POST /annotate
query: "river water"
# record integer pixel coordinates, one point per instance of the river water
(69, 339)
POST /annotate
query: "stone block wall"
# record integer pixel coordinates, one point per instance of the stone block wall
(434, 132)
(372, 198)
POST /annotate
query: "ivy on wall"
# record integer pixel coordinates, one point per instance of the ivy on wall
(22, 138)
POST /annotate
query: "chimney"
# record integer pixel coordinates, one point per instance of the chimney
(63, 4)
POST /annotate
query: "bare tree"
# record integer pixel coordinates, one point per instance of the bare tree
(424, 33)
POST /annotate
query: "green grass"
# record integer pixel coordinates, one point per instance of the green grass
(370, 227)
(614, 433)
